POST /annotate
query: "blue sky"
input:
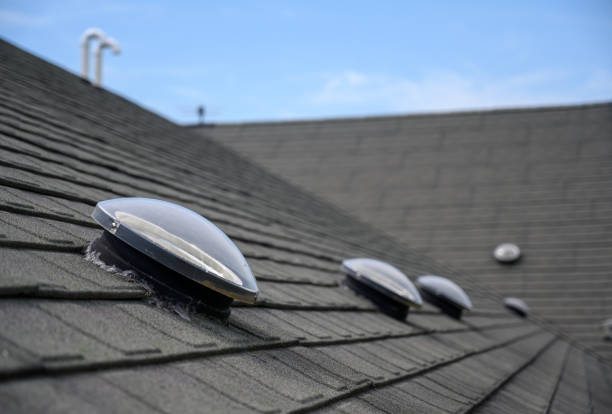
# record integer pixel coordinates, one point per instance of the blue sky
(273, 60)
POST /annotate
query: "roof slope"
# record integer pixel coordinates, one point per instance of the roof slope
(76, 338)
(455, 185)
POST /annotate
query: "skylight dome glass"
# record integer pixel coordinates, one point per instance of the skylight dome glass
(388, 288)
(607, 328)
(507, 253)
(517, 306)
(181, 240)
(445, 294)
(384, 278)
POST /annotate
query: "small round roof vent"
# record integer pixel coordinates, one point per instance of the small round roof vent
(176, 248)
(517, 306)
(383, 284)
(445, 294)
(507, 253)
(607, 328)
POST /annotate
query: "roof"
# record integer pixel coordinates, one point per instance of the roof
(455, 185)
(77, 338)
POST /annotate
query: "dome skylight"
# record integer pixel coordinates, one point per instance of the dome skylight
(180, 240)
(507, 253)
(607, 328)
(383, 284)
(517, 306)
(445, 294)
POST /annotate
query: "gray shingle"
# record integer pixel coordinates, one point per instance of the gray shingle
(392, 401)
(283, 378)
(109, 325)
(41, 396)
(537, 177)
(14, 359)
(572, 394)
(42, 204)
(171, 325)
(361, 361)
(174, 390)
(227, 380)
(353, 406)
(49, 339)
(53, 274)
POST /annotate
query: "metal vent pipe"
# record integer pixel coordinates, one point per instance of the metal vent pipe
(88, 36)
(104, 43)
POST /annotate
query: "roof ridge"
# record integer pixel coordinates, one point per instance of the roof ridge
(424, 114)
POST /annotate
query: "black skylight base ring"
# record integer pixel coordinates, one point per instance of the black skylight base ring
(445, 306)
(517, 306)
(518, 312)
(166, 282)
(509, 262)
(386, 305)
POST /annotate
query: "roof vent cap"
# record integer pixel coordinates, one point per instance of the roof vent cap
(106, 42)
(445, 294)
(517, 306)
(507, 253)
(142, 234)
(607, 328)
(88, 35)
(383, 284)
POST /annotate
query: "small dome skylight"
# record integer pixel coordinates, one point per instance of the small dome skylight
(607, 328)
(517, 306)
(445, 294)
(507, 253)
(184, 242)
(383, 284)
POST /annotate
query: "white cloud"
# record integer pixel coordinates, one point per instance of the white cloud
(70, 12)
(446, 90)
(536, 78)
(600, 80)
(190, 93)
(15, 18)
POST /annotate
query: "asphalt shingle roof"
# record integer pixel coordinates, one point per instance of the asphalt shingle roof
(76, 338)
(455, 185)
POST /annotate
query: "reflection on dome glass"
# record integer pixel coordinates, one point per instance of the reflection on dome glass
(182, 240)
(445, 294)
(517, 305)
(507, 253)
(384, 278)
(607, 328)
(388, 288)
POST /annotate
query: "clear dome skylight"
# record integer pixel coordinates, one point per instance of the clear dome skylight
(383, 284)
(445, 294)
(607, 328)
(384, 278)
(507, 253)
(181, 240)
(517, 306)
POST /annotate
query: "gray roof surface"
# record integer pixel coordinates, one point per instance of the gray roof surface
(76, 338)
(455, 185)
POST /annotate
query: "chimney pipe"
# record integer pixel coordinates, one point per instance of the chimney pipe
(201, 113)
(104, 43)
(88, 35)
